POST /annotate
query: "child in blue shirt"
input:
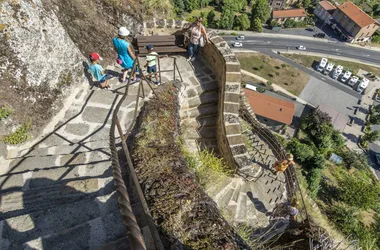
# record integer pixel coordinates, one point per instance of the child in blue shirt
(98, 72)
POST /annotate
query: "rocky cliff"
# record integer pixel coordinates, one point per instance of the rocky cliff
(43, 46)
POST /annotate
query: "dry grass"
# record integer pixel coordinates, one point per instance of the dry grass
(354, 67)
(276, 71)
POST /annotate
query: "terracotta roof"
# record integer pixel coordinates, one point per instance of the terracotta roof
(289, 13)
(327, 5)
(270, 107)
(356, 14)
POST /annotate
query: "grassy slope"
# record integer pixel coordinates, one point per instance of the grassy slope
(287, 77)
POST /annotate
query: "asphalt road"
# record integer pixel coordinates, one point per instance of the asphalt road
(329, 48)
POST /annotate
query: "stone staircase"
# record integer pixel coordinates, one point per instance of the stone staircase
(261, 152)
(199, 106)
(250, 202)
(59, 193)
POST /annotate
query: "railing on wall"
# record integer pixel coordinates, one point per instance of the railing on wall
(134, 234)
(292, 184)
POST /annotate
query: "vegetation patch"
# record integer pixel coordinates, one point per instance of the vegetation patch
(271, 69)
(185, 215)
(20, 135)
(354, 67)
(5, 112)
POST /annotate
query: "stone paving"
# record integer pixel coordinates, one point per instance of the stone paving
(62, 188)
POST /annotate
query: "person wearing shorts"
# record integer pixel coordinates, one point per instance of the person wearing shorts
(151, 64)
(97, 71)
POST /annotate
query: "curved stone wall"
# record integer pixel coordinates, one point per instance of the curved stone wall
(220, 58)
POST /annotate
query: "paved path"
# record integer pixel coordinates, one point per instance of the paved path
(62, 187)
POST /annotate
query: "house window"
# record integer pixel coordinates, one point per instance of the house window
(368, 33)
(344, 16)
(278, 4)
(367, 27)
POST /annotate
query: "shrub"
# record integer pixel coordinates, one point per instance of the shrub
(375, 118)
(277, 67)
(277, 73)
(356, 192)
(20, 135)
(261, 66)
(5, 112)
(269, 82)
(260, 89)
(302, 152)
(283, 65)
(314, 180)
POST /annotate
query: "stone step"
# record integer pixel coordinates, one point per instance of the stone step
(204, 132)
(60, 149)
(15, 203)
(241, 208)
(90, 235)
(51, 221)
(205, 98)
(215, 189)
(222, 198)
(197, 122)
(39, 171)
(204, 110)
(208, 86)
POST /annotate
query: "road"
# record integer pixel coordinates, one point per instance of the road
(329, 48)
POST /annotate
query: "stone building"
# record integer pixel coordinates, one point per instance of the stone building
(324, 11)
(352, 23)
(282, 15)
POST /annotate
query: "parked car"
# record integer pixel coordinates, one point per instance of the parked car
(309, 29)
(362, 85)
(240, 38)
(337, 71)
(377, 159)
(322, 64)
(345, 76)
(301, 47)
(353, 81)
(328, 68)
(320, 35)
(237, 44)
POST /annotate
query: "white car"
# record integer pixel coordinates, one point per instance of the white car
(337, 71)
(301, 47)
(322, 64)
(237, 44)
(328, 68)
(345, 76)
(353, 81)
(240, 38)
(362, 85)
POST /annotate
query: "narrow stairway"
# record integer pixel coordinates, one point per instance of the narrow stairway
(199, 107)
(59, 194)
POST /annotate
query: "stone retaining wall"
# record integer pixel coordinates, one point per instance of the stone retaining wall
(218, 56)
(226, 67)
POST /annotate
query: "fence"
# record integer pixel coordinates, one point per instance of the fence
(134, 234)
(292, 184)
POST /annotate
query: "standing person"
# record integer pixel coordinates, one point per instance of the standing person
(281, 166)
(151, 65)
(196, 32)
(125, 53)
(98, 72)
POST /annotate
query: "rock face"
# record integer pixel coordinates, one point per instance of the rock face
(43, 44)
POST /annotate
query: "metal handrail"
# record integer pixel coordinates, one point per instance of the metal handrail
(279, 152)
(134, 234)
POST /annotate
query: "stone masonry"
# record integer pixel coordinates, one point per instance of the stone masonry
(59, 193)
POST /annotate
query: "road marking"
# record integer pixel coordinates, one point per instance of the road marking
(323, 78)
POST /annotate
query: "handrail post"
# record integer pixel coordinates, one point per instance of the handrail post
(174, 67)
(159, 68)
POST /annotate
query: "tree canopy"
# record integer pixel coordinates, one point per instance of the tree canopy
(261, 10)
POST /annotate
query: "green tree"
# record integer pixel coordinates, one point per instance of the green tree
(203, 3)
(371, 136)
(211, 19)
(179, 6)
(375, 118)
(376, 108)
(242, 22)
(204, 19)
(301, 151)
(306, 3)
(318, 161)
(261, 10)
(235, 5)
(227, 18)
(257, 26)
(337, 140)
(191, 5)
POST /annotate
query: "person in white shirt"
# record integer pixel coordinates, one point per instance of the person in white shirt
(151, 64)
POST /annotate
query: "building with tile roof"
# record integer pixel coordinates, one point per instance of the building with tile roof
(270, 110)
(282, 15)
(324, 11)
(352, 23)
